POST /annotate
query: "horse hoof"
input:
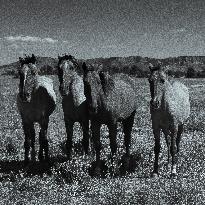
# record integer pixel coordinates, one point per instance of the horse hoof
(40, 157)
(173, 175)
(97, 171)
(155, 175)
(26, 163)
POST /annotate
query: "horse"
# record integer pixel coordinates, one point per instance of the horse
(111, 99)
(36, 101)
(73, 100)
(169, 109)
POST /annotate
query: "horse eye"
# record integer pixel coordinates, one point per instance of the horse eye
(162, 80)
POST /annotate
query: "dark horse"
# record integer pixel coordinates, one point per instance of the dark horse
(36, 101)
(73, 100)
(110, 99)
(169, 108)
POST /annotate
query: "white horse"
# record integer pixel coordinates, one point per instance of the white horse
(169, 108)
(36, 101)
(73, 100)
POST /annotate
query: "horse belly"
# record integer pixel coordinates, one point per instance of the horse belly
(122, 108)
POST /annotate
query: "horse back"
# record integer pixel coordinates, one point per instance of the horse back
(120, 101)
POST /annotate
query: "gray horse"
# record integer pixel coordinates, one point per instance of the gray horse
(73, 100)
(36, 101)
(110, 99)
(169, 108)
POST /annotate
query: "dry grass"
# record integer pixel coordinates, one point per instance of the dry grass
(70, 182)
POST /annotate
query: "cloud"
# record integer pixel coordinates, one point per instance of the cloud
(29, 39)
(179, 30)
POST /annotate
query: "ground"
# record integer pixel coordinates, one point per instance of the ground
(71, 183)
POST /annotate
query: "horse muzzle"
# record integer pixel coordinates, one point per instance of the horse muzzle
(155, 104)
(62, 91)
(92, 110)
(25, 97)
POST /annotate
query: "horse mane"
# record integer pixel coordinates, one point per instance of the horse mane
(28, 60)
(70, 58)
(107, 82)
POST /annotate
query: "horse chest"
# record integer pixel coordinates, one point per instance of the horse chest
(74, 112)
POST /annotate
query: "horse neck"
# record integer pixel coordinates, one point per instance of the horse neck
(32, 81)
(69, 76)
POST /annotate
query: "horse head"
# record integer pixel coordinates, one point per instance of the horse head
(157, 81)
(95, 84)
(28, 73)
(66, 66)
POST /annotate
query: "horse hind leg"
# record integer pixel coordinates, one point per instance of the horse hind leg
(113, 135)
(174, 132)
(179, 134)
(127, 129)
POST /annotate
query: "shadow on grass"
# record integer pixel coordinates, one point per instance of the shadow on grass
(77, 148)
(126, 165)
(14, 167)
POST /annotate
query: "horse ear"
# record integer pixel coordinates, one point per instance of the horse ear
(106, 81)
(100, 68)
(85, 68)
(102, 77)
(151, 66)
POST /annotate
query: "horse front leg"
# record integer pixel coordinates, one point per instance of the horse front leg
(69, 131)
(27, 142)
(95, 129)
(43, 141)
(168, 142)
(86, 135)
(156, 132)
(33, 152)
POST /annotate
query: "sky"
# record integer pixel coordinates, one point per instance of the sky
(101, 28)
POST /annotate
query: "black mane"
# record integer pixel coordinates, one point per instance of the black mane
(28, 60)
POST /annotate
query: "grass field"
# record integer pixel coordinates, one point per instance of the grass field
(70, 182)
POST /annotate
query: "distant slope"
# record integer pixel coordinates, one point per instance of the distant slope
(182, 66)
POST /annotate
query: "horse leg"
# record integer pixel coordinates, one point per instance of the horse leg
(168, 142)
(95, 129)
(43, 141)
(27, 143)
(156, 132)
(127, 128)
(113, 135)
(69, 130)
(33, 152)
(179, 134)
(174, 132)
(85, 127)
